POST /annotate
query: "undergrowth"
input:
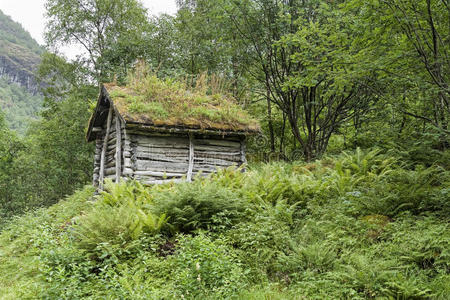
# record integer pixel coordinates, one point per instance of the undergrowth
(360, 225)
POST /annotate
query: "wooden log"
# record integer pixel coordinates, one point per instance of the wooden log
(191, 158)
(110, 171)
(162, 141)
(111, 164)
(161, 158)
(215, 162)
(127, 171)
(110, 157)
(221, 142)
(216, 148)
(164, 150)
(112, 142)
(111, 152)
(212, 156)
(127, 162)
(97, 158)
(158, 174)
(219, 153)
(105, 146)
(173, 167)
(218, 137)
(243, 159)
(118, 149)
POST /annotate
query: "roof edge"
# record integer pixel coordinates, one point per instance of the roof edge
(183, 129)
(103, 92)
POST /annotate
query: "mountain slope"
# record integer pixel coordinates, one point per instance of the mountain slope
(19, 57)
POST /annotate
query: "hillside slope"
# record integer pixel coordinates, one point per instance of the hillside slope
(359, 226)
(19, 57)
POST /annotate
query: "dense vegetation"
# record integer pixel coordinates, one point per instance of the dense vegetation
(360, 225)
(20, 106)
(347, 193)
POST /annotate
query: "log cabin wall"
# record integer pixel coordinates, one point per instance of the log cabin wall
(109, 154)
(212, 152)
(157, 158)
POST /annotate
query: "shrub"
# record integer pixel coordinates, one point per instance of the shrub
(120, 216)
(204, 268)
(201, 204)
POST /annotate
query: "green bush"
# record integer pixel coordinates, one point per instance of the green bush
(120, 216)
(202, 204)
(204, 268)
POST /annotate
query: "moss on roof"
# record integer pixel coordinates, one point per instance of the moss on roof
(150, 100)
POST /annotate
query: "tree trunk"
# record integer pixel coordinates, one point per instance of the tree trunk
(270, 124)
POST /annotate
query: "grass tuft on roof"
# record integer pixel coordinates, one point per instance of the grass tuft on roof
(147, 99)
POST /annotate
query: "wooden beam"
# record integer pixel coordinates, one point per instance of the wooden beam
(243, 159)
(191, 157)
(147, 128)
(118, 149)
(105, 146)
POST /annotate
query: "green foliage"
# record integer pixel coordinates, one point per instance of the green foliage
(120, 216)
(198, 205)
(10, 146)
(339, 229)
(205, 269)
(23, 240)
(21, 107)
(174, 102)
(357, 224)
(111, 32)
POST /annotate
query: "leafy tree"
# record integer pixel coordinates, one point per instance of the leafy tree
(57, 160)
(408, 41)
(160, 46)
(53, 159)
(307, 64)
(9, 148)
(110, 31)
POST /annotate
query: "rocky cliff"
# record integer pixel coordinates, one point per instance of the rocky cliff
(19, 54)
(19, 69)
(19, 58)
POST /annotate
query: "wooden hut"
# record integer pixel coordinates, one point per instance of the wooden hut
(153, 140)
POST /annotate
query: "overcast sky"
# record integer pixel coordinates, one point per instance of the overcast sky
(30, 13)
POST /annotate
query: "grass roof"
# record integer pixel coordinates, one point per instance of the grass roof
(147, 99)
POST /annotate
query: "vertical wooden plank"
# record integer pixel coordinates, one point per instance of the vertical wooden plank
(97, 157)
(105, 146)
(191, 158)
(243, 159)
(118, 148)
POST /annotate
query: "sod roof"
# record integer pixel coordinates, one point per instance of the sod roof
(155, 102)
